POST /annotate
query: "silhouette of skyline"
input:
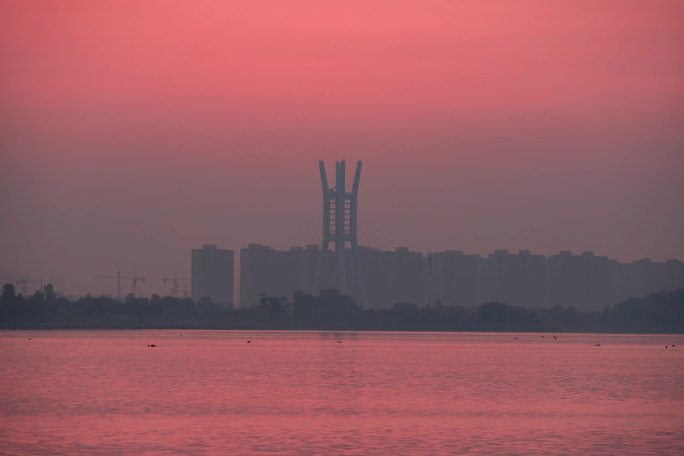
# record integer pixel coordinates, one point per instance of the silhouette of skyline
(179, 276)
(480, 128)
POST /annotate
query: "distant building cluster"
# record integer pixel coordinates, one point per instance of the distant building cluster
(211, 279)
(585, 281)
(389, 276)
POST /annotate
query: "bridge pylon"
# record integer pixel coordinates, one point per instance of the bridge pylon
(340, 216)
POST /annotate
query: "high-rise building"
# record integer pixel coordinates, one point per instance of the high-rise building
(586, 281)
(265, 271)
(453, 278)
(393, 276)
(212, 275)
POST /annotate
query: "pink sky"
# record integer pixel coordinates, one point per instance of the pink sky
(131, 132)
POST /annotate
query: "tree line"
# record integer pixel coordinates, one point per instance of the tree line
(658, 312)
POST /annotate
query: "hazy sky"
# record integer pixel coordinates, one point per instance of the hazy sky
(131, 132)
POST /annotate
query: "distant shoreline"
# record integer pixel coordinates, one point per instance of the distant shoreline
(144, 327)
(658, 313)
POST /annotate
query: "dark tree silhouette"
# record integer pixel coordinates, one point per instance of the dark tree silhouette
(49, 292)
(8, 292)
(659, 312)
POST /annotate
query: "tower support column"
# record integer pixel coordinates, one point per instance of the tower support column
(340, 227)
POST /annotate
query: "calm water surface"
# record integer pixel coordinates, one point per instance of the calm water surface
(211, 392)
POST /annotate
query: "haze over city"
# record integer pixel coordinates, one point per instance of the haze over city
(132, 132)
(344, 227)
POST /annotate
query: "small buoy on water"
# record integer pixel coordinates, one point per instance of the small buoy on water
(249, 341)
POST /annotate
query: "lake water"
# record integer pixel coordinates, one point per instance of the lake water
(211, 392)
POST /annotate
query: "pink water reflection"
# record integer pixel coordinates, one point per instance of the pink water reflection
(210, 392)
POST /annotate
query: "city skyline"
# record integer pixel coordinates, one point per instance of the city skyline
(610, 279)
(175, 254)
(549, 127)
(371, 236)
(347, 227)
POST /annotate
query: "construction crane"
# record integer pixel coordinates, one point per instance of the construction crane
(174, 283)
(117, 278)
(134, 282)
